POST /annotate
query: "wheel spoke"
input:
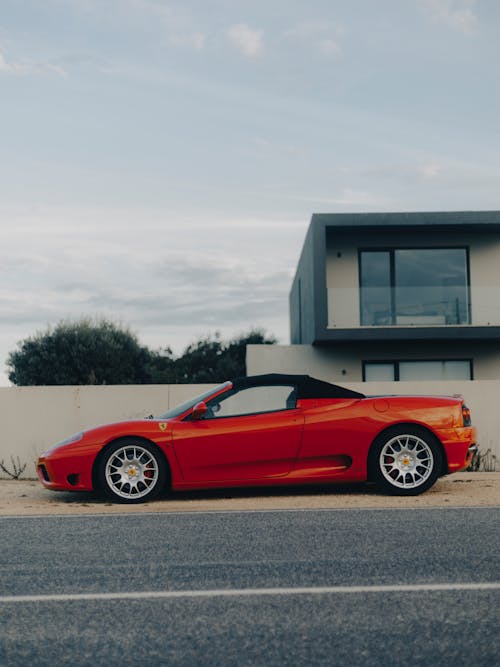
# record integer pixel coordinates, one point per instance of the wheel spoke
(406, 461)
(131, 472)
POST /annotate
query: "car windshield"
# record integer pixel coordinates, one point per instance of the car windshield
(184, 407)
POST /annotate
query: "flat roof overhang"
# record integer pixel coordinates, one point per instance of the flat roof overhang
(450, 333)
(468, 221)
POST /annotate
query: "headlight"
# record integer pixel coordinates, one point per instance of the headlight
(69, 441)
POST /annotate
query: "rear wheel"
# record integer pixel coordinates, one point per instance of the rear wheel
(132, 471)
(405, 461)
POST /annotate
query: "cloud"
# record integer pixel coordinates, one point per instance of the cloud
(322, 36)
(341, 197)
(189, 40)
(169, 278)
(427, 170)
(247, 40)
(24, 68)
(456, 14)
(173, 24)
(439, 173)
(191, 292)
(330, 47)
(178, 21)
(12, 67)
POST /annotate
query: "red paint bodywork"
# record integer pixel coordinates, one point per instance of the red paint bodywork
(320, 440)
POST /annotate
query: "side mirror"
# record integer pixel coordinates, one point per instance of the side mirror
(199, 410)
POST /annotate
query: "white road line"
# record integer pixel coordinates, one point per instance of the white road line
(252, 592)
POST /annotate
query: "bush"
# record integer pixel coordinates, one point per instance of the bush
(79, 353)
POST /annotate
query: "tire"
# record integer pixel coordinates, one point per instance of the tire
(405, 461)
(132, 471)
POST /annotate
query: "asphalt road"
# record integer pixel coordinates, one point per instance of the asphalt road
(341, 587)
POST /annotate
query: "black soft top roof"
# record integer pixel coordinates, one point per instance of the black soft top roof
(307, 387)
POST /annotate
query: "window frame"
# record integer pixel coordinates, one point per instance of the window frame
(396, 362)
(392, 273)
(233, 392)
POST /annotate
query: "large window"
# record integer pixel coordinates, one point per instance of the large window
(420, 286)
(446, 369)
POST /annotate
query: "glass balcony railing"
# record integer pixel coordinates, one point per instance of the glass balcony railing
(416, 306)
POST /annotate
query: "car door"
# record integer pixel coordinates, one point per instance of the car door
(336, 437)
(248, 435)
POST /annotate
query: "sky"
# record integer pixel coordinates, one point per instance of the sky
(160, 160)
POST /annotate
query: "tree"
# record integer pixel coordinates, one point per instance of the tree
(100, 352)
(212, 360)
(234, 359)
(160, 368)
(80, 353)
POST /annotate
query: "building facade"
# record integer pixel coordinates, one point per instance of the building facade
(398, 297)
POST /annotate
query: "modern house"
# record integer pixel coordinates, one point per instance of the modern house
(397, 296)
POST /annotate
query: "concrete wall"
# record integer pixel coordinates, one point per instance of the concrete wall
(343, 362)
(482, 396)
(34, 418)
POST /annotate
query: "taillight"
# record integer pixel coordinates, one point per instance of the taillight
(466, 415)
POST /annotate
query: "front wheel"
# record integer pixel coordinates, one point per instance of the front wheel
(131, 471)
(405, 461)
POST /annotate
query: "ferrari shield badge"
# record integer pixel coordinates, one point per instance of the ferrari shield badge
(163, 426)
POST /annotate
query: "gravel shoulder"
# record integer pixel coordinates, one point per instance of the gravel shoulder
(28, 498)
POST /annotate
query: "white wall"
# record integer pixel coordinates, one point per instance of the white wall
(482, 396)
(343, 362)
(34, 418)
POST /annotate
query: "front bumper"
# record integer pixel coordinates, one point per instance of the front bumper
(66, 471)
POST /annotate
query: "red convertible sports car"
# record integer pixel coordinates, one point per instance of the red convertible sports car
(269, 430)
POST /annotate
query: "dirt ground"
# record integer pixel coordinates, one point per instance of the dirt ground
(28, 497)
